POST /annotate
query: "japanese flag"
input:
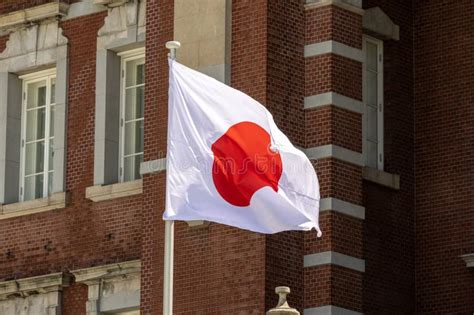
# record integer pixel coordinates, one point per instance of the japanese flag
(228, 162)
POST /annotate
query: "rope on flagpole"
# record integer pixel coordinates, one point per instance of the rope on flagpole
(169, 233)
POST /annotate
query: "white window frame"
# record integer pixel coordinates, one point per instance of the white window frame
(47, 75)
(125, 57)
(380, 101)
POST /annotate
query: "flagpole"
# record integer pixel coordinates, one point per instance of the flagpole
(169, 233)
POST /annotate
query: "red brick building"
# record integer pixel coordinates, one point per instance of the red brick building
(378, 94)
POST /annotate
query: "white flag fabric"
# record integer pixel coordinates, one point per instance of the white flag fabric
(228, 162)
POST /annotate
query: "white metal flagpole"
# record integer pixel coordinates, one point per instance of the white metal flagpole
(169, 234)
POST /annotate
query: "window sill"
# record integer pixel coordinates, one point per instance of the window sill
(469, 260)
(55, 201)
(382, 178)
(119, 190)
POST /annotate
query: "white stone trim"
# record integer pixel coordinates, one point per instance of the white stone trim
(379, 24)
(341, 206)
(332, 98)
(354, 6)
(333, 47)
(123, 29)
(29, 48)
(33, 14)
(113, 191)
(153, 166)
(33, 285)
(110, 3)
(83, 8)
(382, 178)
(337, 152)
(329, 310)
(55, 201)
(111, 288)
(334, 258)
(469, 260)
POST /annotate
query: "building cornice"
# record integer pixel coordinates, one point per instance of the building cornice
(33, 15)
(34, 285)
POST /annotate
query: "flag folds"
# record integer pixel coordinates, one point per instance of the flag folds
(228, 162)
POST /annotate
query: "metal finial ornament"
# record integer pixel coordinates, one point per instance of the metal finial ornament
(282, 307)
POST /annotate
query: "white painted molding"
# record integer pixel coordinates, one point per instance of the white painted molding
(153, 166)
(113, 191)
(111, 288)
(469, 260)
(34, 285)
(334, 47)
(379, 24)
(33, 14)
(329, 310)
(83, 8)
(55, 201)
(354, 6)
(337, 152)
(382, 178)
(341, 206)
(107, 271)
(332, 98)
(334, 258)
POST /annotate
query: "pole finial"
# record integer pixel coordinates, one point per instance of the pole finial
(282, 307)
(172, 46)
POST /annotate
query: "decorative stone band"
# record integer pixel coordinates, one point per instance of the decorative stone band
(332, 98)
(33, 14)
(333, 47)
(153, 166)
(334, 258)
(329, 310)
(354, 6)
(335, 151)
(341, 206)
(34, 285)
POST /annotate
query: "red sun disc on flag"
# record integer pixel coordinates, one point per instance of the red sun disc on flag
(244, 163)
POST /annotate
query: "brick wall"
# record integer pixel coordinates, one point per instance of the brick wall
(285, 92)
(444, 92)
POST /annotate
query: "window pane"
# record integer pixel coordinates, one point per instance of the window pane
(371, 88)
(371, 154)
(135, 72)
(371, 56)
(51, 121)
(50, 183)
(51, 154)
(35, 123)
(134, 103)
(36, 94)
(372, 123)
(132, 167)
(33, 187)
(53, 90)
(34, 158)
(133, 137)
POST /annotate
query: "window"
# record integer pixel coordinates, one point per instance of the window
(131, 114)
(37, 144)
(373, 100)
